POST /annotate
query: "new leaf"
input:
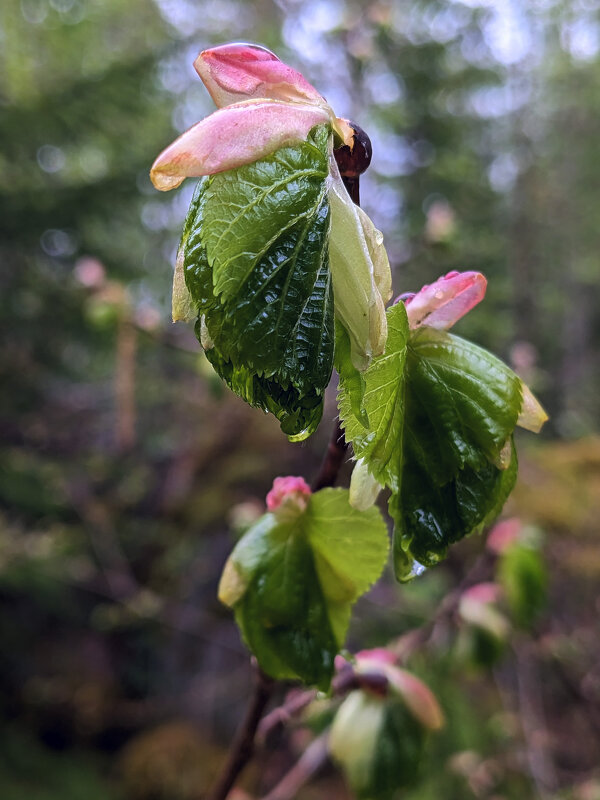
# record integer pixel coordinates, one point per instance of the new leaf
(293, 580)
(441, 415)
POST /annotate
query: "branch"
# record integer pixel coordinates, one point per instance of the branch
(345, 681)
(309, 763)
(333, 460)
(242, 747)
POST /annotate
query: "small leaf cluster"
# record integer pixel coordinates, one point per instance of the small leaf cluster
(431, 417)
(293, 577)
(286, 278)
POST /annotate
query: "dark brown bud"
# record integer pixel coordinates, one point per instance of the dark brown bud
(354, 159)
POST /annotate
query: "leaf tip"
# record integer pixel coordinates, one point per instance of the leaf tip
(232, 585)
(532, 416)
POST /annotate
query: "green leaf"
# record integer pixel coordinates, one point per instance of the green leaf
(256, 264)
(441, 411)
(378, 743)
(352, 378)
(464, 402)
(430, 517)
(292, 583)
(299, 412)
(380, 444)
(522, 575)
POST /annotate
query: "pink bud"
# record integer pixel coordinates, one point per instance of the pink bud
(286, 489)
(477, 606)
(503, 534)
(234, 72)
(444, 302)
(377, 655)
(485, 593)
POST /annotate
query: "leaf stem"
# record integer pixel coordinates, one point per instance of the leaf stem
(332, 462)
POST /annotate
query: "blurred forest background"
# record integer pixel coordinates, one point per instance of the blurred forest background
(126, 469)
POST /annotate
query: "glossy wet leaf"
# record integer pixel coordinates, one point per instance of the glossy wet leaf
(292, 583)
(256, 266)
(429, 517)
(441, 411)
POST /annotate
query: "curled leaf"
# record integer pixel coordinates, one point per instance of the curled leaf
(364, 488)
(233, 136)
(354, 737)
(182, 306)
(418, 698)
(293, 578)
(382, 273)
(238, 71)
(444, 302)
(416, 695)
(359, 267)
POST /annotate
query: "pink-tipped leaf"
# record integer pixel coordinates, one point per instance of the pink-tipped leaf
(233, 72)
(233, 136)
(418, 697)
(444, 302)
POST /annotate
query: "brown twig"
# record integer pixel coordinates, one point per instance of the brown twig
(242, 746)
(333, 460)
(309, 763)
(345, 681)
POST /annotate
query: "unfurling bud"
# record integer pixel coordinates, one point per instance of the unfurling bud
(289, 495)
(378, 739)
